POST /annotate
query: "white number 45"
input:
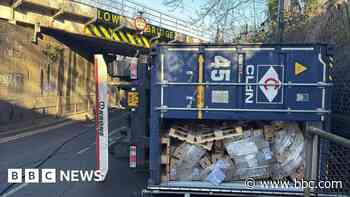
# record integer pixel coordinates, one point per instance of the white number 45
(220, 75)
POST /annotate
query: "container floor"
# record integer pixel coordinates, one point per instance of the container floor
(228, 187)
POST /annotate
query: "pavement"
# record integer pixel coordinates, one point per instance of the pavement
(31, 125)
(68, 147)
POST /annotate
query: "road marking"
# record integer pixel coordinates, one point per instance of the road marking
(26, 134)
(16, 189)
(12, 138)
(30, 133)
(83, 150)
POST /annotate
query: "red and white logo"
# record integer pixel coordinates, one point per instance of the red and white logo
(101, 115)
(271, 84)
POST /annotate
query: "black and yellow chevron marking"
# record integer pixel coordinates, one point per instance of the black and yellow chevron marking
(107, 33)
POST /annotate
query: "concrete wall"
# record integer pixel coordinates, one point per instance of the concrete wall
(41, 79)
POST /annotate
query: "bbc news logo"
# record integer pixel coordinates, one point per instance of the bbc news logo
(33, 175)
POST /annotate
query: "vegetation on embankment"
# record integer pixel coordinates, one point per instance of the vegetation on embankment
(329, 22)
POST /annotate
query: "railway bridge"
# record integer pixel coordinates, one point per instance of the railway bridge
(120, 26)
(47, 50)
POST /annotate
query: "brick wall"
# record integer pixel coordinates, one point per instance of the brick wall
(46, 77)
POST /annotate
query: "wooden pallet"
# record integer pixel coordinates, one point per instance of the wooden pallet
(189, 138)
(165, 150)
(208, 145)
(181, 135)
(184, 129)
(165, 158)
(219, 135)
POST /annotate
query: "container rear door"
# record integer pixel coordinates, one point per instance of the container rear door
(305, 67)
(247, 83)
(180, 66)
(220, 71)
(264, 67)
(287, 84)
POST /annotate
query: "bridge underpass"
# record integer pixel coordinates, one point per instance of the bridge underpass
(88, 46)
(116, 21)
(85, 27)
(46, 73)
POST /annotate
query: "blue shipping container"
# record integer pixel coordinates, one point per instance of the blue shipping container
(270, 82)
(288, 82)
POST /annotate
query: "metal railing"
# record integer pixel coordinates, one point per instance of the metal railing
(335, 166)
(333, 161)
(131, 9)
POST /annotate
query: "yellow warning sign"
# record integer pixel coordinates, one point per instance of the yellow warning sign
(299, 68)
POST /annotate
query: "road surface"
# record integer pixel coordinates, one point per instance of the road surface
(70, 147)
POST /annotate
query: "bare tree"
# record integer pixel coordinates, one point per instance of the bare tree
(227, 17)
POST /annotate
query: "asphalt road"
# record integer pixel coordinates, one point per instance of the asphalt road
(77, 151)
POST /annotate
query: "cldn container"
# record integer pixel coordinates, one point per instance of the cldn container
(265, 82)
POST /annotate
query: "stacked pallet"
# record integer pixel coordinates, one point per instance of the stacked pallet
(229, 152)
(194, 154)
(205, 139)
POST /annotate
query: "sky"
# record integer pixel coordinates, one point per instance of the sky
(192, 5)
(183, 14)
